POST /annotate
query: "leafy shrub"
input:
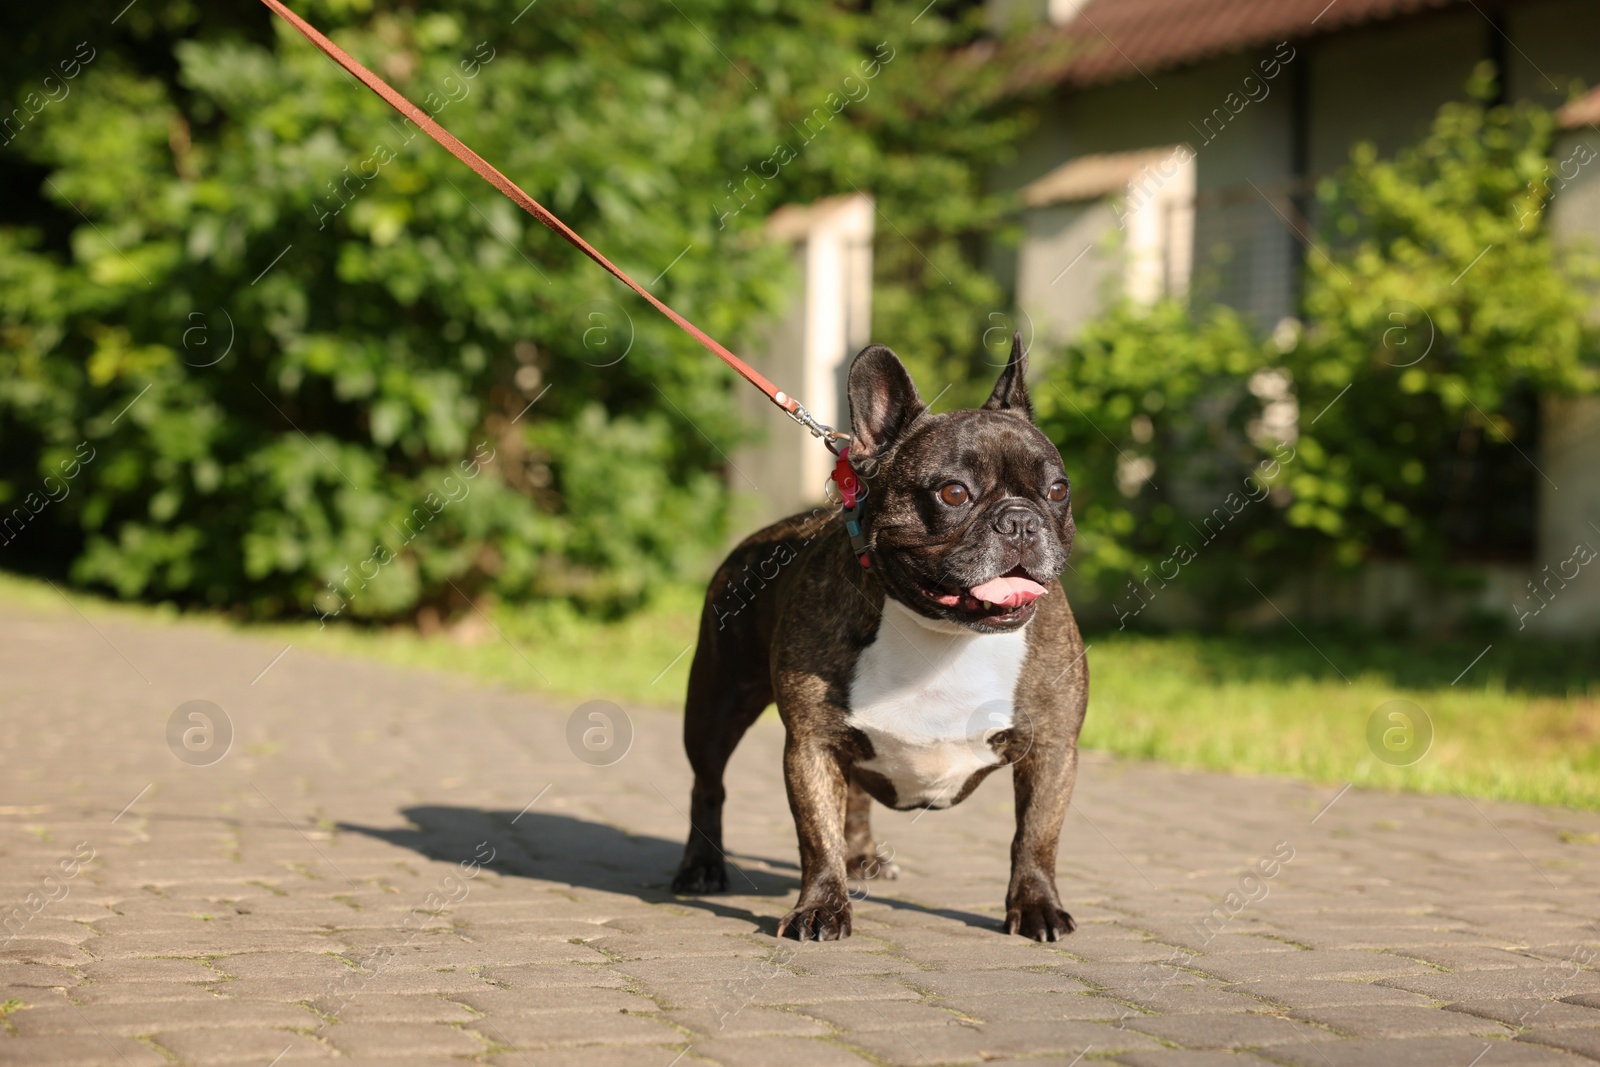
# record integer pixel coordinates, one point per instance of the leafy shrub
(291, 328)
(1399, 421)
(1442, 304)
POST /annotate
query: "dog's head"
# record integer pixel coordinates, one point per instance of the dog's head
(969, 513)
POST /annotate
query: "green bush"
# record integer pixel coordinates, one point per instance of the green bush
(1154, 414)
(1440, 301)
(1396, 419)
(292, 330)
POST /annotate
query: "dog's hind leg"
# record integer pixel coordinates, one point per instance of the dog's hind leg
(864, 860)
(730, 685)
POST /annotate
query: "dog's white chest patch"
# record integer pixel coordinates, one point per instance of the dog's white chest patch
(929, 695)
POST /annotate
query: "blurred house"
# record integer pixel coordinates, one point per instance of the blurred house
(1179, 152)
(809, 351)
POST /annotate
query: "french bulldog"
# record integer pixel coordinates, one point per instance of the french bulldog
(912, 669)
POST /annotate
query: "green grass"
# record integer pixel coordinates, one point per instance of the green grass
(1522, 724)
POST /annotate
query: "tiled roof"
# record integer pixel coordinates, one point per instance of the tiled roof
(1119, 39)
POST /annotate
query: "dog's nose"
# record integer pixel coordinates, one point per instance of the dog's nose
(1017, 524)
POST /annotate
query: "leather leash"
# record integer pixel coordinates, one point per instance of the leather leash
(788, 404)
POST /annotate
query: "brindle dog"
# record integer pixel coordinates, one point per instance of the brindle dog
(912, 679)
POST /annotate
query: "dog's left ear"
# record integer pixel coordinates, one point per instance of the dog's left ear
(1011, 391)
(883, 401)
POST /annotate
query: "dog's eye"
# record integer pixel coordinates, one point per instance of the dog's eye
(1056, 493)
(955, 494)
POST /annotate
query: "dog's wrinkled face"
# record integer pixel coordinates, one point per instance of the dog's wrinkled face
(969, 513)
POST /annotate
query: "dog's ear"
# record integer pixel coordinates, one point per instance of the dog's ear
(883, 401)
(1011, 391)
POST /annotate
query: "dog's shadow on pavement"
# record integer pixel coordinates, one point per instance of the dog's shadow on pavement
(569, 850)
(565, 849)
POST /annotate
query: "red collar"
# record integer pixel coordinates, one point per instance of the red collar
(851, 494)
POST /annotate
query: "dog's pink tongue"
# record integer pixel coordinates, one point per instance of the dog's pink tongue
(1008, 592)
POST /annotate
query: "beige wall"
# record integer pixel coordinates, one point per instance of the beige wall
(1564, 594)
(808, 351)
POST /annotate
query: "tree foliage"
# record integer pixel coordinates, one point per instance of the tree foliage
(320, 365)
(1397, 418)
(1440, 301)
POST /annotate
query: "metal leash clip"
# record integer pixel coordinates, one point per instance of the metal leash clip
(820, 430)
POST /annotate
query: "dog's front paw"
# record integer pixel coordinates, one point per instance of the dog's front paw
(1039, 916)
(827, 920)
(701, 876)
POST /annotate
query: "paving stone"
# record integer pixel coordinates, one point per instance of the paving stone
(1530, 1013)
(1423, 1052)
(78, 1050)
(42, 950)
(577, 1028)
(995, 953)
(827, 964)
(1494, 985)
(1326, 993)
(147, 971)
(728, 967)
(1227, 1031)
(194, 944)
(1585, 1041)
(1398, 1020)
(881, 1015)
(59, 1017)
(1190, 997)
(323, 964)
(777, 1052)
(1309, 965)
(498, 1002)
(250, 1045)
(1013, 1007)
(397, 1007)
(31, 975)
(141, 992)
(1180, 1058)
(955, 1043)
(447, 982)
(749, 1020)
(599, 1056)
(567, 948)
(547, 975)
(808, 990)
(953, 983)
(1467, 957)
(381, 1039)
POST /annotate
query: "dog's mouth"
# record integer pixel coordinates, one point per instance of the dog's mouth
(1006, 598)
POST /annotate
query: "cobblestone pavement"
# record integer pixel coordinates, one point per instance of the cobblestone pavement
(396, 867)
